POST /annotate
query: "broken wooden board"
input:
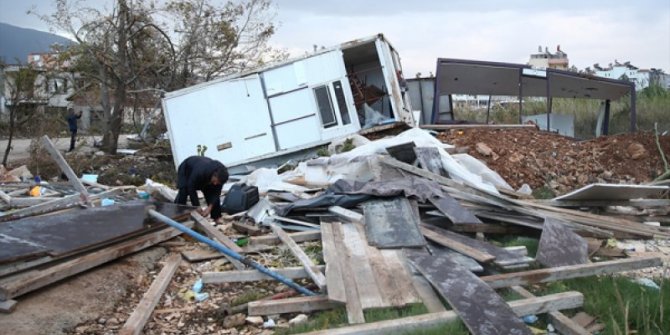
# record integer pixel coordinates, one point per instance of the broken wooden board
(7, 306)
(503, 258)
(217, 235)
(254, 275)
(67, 170)
(353, 302)
(291, 305)
(560, 246)
(465, 261)
(368, 272)
(562, 323)
(456, 213)
(22, 283)
(430, 159)
(452, 244)
(539, 305)
(316, 275)
(297, 237)
(480, 308)
(613, 192)
(139, 317)
(346, 214)
(331, 255)
(392, 224)
(200, 255)
(570, 271)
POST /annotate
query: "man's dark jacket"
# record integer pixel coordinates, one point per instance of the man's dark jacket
(195, 173)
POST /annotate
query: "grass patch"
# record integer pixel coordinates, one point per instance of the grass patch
(338, 318)
(543, 192)
(621, 304)
(514, 241)
(246, 297)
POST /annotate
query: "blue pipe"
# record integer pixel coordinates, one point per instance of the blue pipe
(218, 246)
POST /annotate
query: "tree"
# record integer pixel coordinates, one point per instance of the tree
(21, 88)
(214, 40)
(130, 48)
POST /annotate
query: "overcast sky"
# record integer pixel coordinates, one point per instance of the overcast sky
(590, 31)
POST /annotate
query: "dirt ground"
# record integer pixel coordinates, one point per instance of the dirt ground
(59, 308)
(562, 164)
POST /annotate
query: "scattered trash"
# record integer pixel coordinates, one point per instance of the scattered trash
(269, 324)
(529, 319)
(107, 202)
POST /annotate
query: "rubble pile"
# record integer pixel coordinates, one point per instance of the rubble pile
(387, 224)
(541, 159)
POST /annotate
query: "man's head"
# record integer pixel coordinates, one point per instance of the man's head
(219, 177)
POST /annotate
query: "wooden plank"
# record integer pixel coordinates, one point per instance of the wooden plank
(316, 275)
(61, 203)
(444, 241)
(559, 245)
(201, 255)
(216, 234)
(294, 221)
(353, 301)
(539, 305)
(30, 201)
(366, 284)
(480, 308)
(562, 323)
(396, 265)
(254, 275)
(248, 229)
(7, 306)
(71, 176)
(502, 256)
(23, 283)
(331, 257)
(454, 211)
(139, 317)
(302, 236)
(346, 214)
(6, 198)
(569, 271)
(291, 305)
(427, 294)
(7, 269)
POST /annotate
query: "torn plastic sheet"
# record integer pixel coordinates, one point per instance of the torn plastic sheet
(268, 180)
(324, 201)
(421, 188)
(479, 168)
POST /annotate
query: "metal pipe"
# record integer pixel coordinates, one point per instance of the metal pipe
(549, 102)
(633, 110)
(218, 246)
(520, 95)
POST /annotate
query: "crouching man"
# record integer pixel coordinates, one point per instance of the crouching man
(204, 174)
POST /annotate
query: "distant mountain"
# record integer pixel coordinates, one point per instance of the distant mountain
(17, 43)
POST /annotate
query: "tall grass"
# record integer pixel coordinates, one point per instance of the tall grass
(652, 105)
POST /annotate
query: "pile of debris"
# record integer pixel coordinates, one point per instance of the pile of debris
(542, 159)
(391, 223)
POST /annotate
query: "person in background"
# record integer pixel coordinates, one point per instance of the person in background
(72, 123)
(206, 175)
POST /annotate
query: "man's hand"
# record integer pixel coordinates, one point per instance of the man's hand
(205, 211)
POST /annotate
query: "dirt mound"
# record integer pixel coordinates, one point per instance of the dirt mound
(543, 159)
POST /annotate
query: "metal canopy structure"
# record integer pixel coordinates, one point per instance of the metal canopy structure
(458, 76)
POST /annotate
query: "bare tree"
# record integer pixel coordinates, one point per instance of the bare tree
(215, 40)
(118, 50)
(130, 48)
(21, 88)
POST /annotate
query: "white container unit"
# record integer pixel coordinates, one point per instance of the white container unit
(286, 108)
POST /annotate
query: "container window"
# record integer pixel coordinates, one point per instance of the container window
(325, 106)
(341, 102)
